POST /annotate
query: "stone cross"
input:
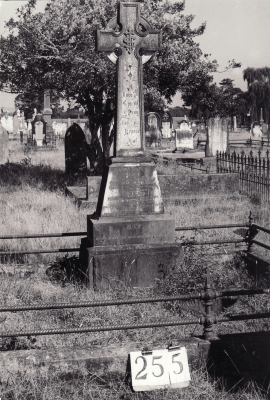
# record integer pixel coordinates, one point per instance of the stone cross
(47, 115)
(134, 40)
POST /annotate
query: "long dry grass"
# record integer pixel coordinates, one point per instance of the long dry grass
(33, 201)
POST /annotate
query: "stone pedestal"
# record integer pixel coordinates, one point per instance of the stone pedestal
(129, 237)
(129, 188)
(128, 265)
(146, 229)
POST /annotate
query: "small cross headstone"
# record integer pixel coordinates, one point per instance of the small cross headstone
(166, 124)
(183, 136)
(75, 150)
(4, 145)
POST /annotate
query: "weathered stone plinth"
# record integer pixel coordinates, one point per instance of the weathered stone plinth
(129, 239)
(130, 189)
(146, 229)
(128, 265)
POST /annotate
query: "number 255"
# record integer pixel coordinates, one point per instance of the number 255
(155, 364)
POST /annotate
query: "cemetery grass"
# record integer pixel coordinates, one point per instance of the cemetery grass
(33, 201)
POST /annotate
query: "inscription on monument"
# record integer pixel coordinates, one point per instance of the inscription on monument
(130, 118)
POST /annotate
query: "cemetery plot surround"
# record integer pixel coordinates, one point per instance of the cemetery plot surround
(130, 210)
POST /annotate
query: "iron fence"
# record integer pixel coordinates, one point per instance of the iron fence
(77, 249)
(207, 298)
(208, 318)
(254, 172)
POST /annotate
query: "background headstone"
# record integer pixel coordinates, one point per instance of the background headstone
(47, 116)
(152, 129)
(39, 130)
(264, 128)
(183, 136)
(7, 123)
(4, 145)
(16, 124)
(217, 136)
(166, 121)
(194, 128)
(75, 150)
(234, 124)
(256, 130)
(59, 128)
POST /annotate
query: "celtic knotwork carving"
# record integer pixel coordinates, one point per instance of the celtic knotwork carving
(129, 40)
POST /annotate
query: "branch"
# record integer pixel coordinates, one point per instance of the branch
(53, 47)
(231, 65)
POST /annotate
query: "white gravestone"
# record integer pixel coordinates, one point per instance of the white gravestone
(39, 133)
(166, 125)
(217, 136)
(256, 131)
(7, 123)
(184, 137)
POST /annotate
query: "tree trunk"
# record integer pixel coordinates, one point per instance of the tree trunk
(102, 120)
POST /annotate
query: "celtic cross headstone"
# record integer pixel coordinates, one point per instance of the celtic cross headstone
(129, 48)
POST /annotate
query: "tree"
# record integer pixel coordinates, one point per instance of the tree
(258, 80)
(211, 100)
(56, 50)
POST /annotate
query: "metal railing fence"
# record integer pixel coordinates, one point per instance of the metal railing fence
(254, 172)
(208, 318)
(76, 249)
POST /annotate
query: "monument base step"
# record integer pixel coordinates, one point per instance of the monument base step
(178, 155)
(137, 265)
(146, 229)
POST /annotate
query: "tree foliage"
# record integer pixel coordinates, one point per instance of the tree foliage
(56, 50)
(258, 80)
(223, 100)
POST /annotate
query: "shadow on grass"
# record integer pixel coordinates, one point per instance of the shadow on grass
(237, 359)
(14, 175)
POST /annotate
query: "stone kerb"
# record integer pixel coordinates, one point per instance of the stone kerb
(217, 136)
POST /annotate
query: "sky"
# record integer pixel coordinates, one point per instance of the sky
(235, 29)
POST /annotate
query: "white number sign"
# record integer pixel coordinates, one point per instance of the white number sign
(159, 369)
